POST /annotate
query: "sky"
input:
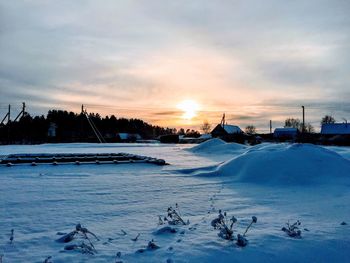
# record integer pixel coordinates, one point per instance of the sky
(254, 60)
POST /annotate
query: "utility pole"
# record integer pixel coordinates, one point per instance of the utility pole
(223, 121)
(23, 108)
(270, 126)
(22, 112)
(303, 128)
(9, 114)
(8, 125)
(81, 123)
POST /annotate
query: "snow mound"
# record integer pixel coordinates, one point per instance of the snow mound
(285, 164)
(216, 146)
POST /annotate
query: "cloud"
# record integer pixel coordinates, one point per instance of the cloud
(141, 59)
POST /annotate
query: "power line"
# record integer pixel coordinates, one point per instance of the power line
(93, 126)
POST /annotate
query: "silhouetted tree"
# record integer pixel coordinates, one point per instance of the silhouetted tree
(192, 133)
(250, 129)
(206, 127)
(293, 123)
(181, 131)
(309, 128)
(327, 119)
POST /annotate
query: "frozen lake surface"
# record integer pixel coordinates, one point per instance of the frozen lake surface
(37, 202)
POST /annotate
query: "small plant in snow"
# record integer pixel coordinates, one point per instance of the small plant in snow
(117, 257)
(165, 230)
(225, 225)
(293, 230)
(123, 233)
(48, 260)
(160, 221)
(241, 240)
(254, 220)
(78, 230)
(66, 238)
(84, 231)
(12, 236)
(174, 217)
(83, 248)
(136, 238)
(151, 246)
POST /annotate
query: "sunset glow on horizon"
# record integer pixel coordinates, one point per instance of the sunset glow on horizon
(189, 108)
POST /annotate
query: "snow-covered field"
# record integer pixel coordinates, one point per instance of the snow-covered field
(276, 183)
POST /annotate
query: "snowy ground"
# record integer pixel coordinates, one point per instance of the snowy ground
(37, 202)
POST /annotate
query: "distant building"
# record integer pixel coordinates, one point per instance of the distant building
(169, 138)
(285, 133)
(227, 132)
(225, 129)
(335, 129)
(128, 137)
(51, 132)
(202, 138)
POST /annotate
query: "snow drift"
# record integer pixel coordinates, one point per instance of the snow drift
(216, 146)
(41, 201)
(285, 164)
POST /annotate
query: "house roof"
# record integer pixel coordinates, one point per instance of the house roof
(335, 128)
(286, 130)
(232, 129)
(226, 129)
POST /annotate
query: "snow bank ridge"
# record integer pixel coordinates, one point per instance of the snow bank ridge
(216, 146)
(285, 164)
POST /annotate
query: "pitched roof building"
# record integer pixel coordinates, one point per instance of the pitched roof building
(226, 129)
(335, 128)
(285, 133)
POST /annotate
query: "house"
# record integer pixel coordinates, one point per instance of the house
(228, 133)
(128, 137)
(335, 129)
(225, 130)
(285, 133)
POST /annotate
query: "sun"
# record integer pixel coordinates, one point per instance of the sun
(189, 108)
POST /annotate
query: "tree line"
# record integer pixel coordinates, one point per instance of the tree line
(73, 127)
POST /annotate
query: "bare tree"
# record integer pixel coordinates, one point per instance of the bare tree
(327, 119)
(250, 129)
(309, 128)
(293, 123)
(206, 127)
